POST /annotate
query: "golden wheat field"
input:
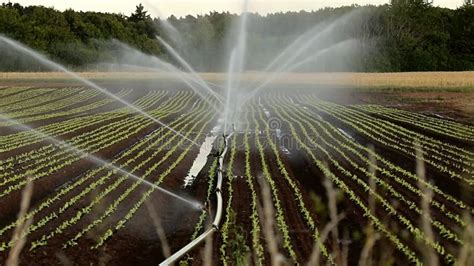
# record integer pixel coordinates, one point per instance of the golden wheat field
(389, 80)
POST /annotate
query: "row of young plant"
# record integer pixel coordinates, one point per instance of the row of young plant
(398, 132)
(90, 142)
(66, 158)
(41, 96)
(417, 233)
(50, 102)
(205, 121)
(131, 156)
(279, 211)
(224, 232)
(211, 176)
(392, 171)
(82, 111)
(24, 96)
(446, 165)
(17, 161)
(54, 129)
(66, 127)
(148, 101)
(391, 192)
(406, 137)
(296, 191)
(8, 91)
(65, 155)
(367, 212)
(93, 205)
(258, 251)
(440, 126)
(23, 138)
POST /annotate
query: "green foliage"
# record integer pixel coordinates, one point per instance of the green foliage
(71, 37)
(408, 35)
(237, 238)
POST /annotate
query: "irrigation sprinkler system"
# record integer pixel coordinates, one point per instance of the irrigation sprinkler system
(217, 218)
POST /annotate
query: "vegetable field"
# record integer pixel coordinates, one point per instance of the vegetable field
(396, 185)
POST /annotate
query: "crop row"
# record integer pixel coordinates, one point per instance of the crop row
(436, 125)
(64, 127)
(90, 142)
(28, 96)
(300, 119)
(298, 197)
(100, 181)
(390, 190)
(339, 182)
(45, 103)
(5, 92)
(120, 224)
(391, 171)
(23, 138)
(454, 164)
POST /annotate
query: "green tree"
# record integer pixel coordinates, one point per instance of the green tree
(139, 15)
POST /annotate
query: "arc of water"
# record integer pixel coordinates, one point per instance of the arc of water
(229, 88)
(297, 65)
(42, 59)
(236, 63)
(185, 64)
(319, 54)
(293, 46)
(301, 49)
(97, 160)
(181, 76)
(190, 81)
(302, 44)
(171, 31)
(290, 48)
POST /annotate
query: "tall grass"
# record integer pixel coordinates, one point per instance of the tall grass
(19, 242)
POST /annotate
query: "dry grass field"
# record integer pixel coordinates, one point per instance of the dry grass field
(371, 80)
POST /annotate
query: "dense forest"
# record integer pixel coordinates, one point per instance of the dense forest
(410, 35)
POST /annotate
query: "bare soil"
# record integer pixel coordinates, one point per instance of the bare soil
(138, 243)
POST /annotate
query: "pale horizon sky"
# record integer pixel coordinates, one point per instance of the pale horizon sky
(164, 8)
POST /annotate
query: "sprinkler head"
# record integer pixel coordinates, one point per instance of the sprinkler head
(198, 206)
(206, 207)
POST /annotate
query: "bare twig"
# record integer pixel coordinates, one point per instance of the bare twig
(371, 235)
(430, 256)
(345, 248)
(268, 225)
(19, 242)
(63, 259)
(314, 258)
(96, 213)
(332, 202)
(159, 229)
(207, 253)
(466, 253)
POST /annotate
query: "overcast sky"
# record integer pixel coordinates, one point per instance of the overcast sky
(184, 7)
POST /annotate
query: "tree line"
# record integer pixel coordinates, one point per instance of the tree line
(410, 35)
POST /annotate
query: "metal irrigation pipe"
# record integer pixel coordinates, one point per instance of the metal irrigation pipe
(217, 219)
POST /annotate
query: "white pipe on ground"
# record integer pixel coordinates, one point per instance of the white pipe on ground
(217, 219)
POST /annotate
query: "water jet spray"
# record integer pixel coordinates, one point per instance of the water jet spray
(42, 59)
(101, 162)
